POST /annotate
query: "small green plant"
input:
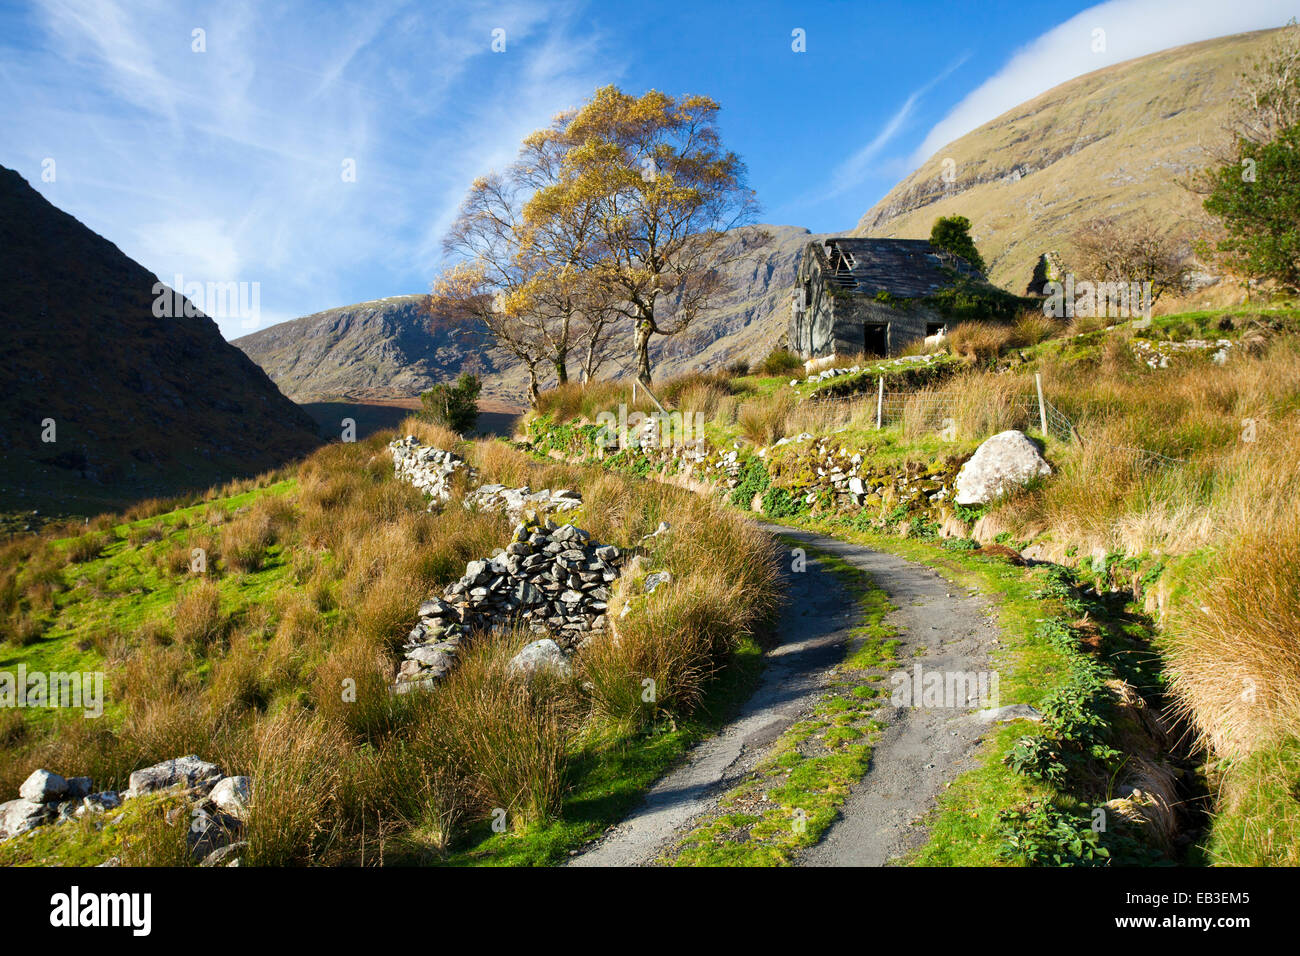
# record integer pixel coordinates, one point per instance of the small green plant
(1043, 835)
(455, 406)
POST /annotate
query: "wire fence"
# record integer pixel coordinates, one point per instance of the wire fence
(926, 410)
(923, 409)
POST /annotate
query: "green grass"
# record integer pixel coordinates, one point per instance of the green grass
(1258, 823)
(797, 788)
(124, 588)
(85, 841)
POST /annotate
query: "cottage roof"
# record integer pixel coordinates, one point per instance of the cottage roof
(906, 268)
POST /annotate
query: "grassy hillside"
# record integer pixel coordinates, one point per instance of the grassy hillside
(313, 579)
(141, 405)
(1113, 141)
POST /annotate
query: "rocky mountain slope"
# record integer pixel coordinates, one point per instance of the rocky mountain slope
(389, 348)
(1111, 142)
(140, 405)
(385, 348)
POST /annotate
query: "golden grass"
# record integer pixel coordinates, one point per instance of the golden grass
(296, 690)
(763, 422)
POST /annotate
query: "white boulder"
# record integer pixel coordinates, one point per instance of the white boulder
(1002, 464)
(43, 787)
(232, 795)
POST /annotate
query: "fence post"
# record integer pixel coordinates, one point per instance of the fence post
(1042, 409)
(880, 402)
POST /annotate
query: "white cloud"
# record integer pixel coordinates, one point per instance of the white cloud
(1132, 28)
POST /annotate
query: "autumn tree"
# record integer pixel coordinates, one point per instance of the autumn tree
(662, 193)
(523, 282)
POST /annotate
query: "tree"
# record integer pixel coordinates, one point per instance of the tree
(455, 406)
(662, 193)
(952, 234)
(1268, 90)
(1134, 249)
(1257, 198)
(523, 282)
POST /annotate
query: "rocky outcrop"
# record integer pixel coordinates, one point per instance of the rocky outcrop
(551, 579)
(214, 816)
(1156, 354)
(1005, 462)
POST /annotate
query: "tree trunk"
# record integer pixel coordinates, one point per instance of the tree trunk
(561, 370)
(534, 393)
(643, 351)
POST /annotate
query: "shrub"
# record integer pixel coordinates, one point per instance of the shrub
(87, 547)
(453, 406)
(952, 234)
(780, 362)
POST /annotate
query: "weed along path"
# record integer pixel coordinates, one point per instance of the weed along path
(819, 768)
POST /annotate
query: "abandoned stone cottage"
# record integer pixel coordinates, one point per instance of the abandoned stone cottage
(865, 295)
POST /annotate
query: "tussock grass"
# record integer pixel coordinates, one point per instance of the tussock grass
(282, 669)
(979, 343)
(196, 618)
(763, 422)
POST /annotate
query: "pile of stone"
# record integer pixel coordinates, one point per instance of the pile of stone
(515, 501)
(829, 373)
(214, 823)
(903, 361)
(428, 468)
(551, 579)
(1157, 354)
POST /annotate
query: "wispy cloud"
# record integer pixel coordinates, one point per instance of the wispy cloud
(857, 167)
(228, 164)
(1130, 28)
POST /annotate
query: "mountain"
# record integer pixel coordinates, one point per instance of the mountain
(749, 321)
(389, 348)
(1114, 141)
(386, 348)
(139, 405)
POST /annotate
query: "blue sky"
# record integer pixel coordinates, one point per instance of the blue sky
(227, 164)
